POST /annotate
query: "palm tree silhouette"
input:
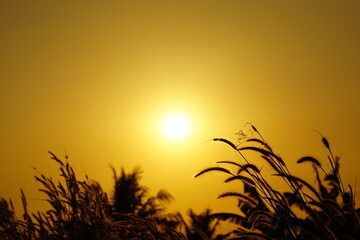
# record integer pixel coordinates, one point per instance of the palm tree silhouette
(202, 226)
(129, 197)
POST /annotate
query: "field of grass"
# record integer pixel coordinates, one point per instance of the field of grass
(80, 209)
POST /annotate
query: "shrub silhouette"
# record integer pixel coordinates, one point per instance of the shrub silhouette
(266, 213)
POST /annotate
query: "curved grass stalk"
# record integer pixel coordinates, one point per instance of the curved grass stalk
(211, 169)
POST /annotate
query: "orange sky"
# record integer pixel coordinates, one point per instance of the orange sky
(94, 79)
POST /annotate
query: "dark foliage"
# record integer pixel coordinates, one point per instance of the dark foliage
(80, 210)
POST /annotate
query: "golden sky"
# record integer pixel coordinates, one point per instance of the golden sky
(95, 79)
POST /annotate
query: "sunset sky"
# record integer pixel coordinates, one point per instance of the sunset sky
(96, 80)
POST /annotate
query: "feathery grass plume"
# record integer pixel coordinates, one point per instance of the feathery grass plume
(264, 152)
(232, 145)
(217, 169)
(255, 130)
(226, 141)
(326, 142)
(258, 213)
(242, 197)
(231, 163)
(262, 220)
(264, 144)
(53, 156)
(309, 159)
(244, 179)
(248, 166)
(263, 224)
(323, 139)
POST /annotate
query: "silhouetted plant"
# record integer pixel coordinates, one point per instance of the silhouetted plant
(79, 210)
(10, 227)
(202, 226)
(266, 213)
(129, 197)
(135, 227)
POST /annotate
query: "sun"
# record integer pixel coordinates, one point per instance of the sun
(176, 126)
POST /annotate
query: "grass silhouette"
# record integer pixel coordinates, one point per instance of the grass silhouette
(80, 209)
(327, 211)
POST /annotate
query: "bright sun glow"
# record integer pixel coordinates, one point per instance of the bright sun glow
(176, 126)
